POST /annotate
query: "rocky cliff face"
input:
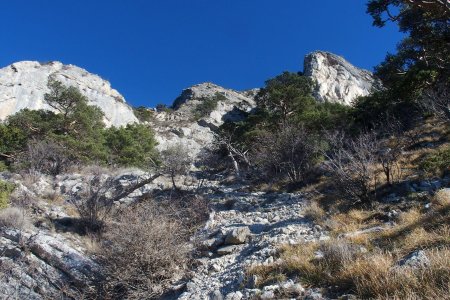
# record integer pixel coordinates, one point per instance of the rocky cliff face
(338, 80)
(23, 85)
(181, 126)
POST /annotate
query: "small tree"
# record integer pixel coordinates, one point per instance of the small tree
(285, 94)
(63, 99)
(175, 161)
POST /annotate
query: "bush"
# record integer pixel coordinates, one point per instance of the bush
(143, 113)
(6, 189)
(207, 105)
(132, 145)
(143, 252)
(438, 162)
(290, 152)
(45, 156)
(352, 164)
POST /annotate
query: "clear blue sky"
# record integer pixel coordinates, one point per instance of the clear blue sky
(151, 49)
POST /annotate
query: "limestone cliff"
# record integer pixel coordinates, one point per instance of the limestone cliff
(23, 85)
(336, 79)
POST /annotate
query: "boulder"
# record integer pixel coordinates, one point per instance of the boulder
(237, 236)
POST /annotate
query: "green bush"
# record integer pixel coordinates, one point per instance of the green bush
(207, 105)
(133, 145)
(143, 113)
(438, 162)
(6, 189)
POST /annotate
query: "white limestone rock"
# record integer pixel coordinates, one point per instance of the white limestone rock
(23, 85)
(336, 79)
(180, 126)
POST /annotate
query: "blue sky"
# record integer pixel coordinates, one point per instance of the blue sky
(150, 50)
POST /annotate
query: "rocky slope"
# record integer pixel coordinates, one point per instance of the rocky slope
(181, 127)
(23, 85)
(338, 80)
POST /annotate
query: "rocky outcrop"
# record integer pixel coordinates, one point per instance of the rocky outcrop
(181, 125)
(23, 85)
(42, 265)
(336, 79)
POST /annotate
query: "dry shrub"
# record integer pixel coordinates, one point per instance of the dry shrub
(442, 198)
(13, 217)
(314, 212)
(143, 252)
(352, 164)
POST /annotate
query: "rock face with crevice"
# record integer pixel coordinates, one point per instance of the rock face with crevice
(336, 79)
(23, 85)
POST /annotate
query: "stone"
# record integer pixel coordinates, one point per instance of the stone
(337, 80)
(237, 236)
(234, 296)
(267, 295)
(23, 85)
(416, 259)
(215, 295)
(226, 250)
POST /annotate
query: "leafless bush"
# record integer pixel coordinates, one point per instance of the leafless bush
(353, 165)
(290, 152)
(47, 157)
(143, 252)
(13, 217)
(175, 161)
(95, 203)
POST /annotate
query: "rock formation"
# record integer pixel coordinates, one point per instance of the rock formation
(181, 126)
(23, 85)
(336, 79)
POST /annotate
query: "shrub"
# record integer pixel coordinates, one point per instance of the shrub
(437, 162)
(132, 145)
(207, 105)
(143, 113)
(290, 152)
(5, 191)
(143, 252)
(45, 156)
(352, 164)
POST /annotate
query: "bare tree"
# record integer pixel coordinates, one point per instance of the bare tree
(236, 153)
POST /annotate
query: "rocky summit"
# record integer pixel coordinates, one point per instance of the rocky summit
(23, 85)
(336, 79)
(182, 126)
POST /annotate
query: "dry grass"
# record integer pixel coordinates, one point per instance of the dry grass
(314, 212)
(14, 217)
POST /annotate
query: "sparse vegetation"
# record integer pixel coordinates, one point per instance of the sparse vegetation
(207, 105)
(5, 191)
